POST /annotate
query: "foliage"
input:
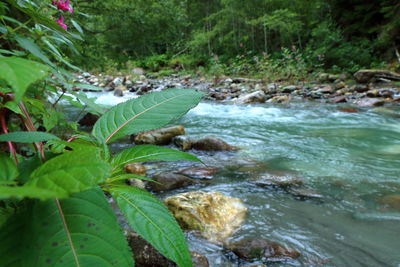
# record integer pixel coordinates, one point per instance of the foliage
(53, 210)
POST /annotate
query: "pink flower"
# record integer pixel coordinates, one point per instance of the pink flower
(62, 5)
(60, 22)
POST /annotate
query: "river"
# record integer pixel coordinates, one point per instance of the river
(351, 159)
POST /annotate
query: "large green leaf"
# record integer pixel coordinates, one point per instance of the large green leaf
(29, 192)
(27, 137)
(20, 73)
(29, 45)
(151, 219)
(71, 172)
(8, 169)
(149, 153)
(145, 113)
(81, 231)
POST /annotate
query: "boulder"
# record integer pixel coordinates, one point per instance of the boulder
(289, 89)
(211, 143)
(255, 97)
(88, 120)
(119, 91)
(340, 85)
(215, 215)
(279, 99)
(169, 180)
(391, 202)
(146, 255)
(365, 76)
(138, 71)
(183, 142)
(339, 99)
(161, 136)
(257, 248)
(199, 172)
(135, 168)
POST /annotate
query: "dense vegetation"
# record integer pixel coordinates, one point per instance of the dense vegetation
(338, 35)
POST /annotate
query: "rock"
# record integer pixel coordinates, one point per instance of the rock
(229, 81)
(119, 91)
(211, 143)
(199, 260)
(348, 110)
(340, 85)
(281, 180)
(365, 76)
(339, 99)
(391, 202)
(135, 168)
(257, 248)
(118, 81)
(169, 180)
(279, 99)
(370, 102)
(360, 88)
(246, 80)
(289, 89)
(136, 183)
(199, 172)
(161, 136)
(304, 193)
(216, 216)
(373, 93)
(183, 142)
(88, 120)
(325, 90)
(255, 97)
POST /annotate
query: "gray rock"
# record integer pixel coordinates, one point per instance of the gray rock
(199, 172)
(370, 102)
(169, 180)
(304, 193)
(365, 76)
(289, 89)
(281, 180)
(183, 142)
(255, 97)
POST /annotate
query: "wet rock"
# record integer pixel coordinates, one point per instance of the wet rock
(370, 102)
(360, 88)
(326, 90)
(281, 180)
(258, 248)
(211, 143)
(255, 97)
(183, 142)
(118, 81)
(304, 193)
(88, 120)
(138, 71)
(339, 99)
(169, 180)
(215, 215)
(386, 111)
(135, 168)
(119, 91)
(365, 76)
(199, 260)
(340, 85)
(161, 136)
(289, 89)
(136, 183)
(348, 110)
(279, 99)
(199, 172)
(391, 202)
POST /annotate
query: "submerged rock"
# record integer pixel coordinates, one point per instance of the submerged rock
(161, 136)
(211, 143)
(215, 215)
(278, 180)
(257, 248)
(391, 202)
(304, 193)
(169, 180)
(199, 172)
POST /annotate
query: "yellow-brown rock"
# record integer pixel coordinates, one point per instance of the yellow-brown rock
(135, 168)
(215, 215)
(161, 136)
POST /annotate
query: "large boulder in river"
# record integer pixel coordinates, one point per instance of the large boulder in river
(161, 136)
(169, 180)
(365, 76)
(215, 215)
(257, 248)
(211, 143)
(255, 97)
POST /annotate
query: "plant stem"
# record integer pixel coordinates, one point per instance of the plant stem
(5, 130)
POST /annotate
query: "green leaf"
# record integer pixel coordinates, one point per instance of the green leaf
(81, 231)
(8, 169)
(27, 191)
(77, 26)
(149, 153)
(151, 219)
(89, 102)
(126, 176)
(13, 107)
(27, 137)
(20, 73)
(88, 87)
(145, 113)
(29, 45)
(71, 172)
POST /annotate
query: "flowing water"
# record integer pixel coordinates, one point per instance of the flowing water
(351, 159)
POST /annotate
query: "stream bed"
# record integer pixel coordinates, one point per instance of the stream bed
(351, 159)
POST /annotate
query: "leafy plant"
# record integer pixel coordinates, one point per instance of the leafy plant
(60, 214)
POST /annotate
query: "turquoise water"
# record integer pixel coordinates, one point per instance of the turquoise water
(351, 159)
